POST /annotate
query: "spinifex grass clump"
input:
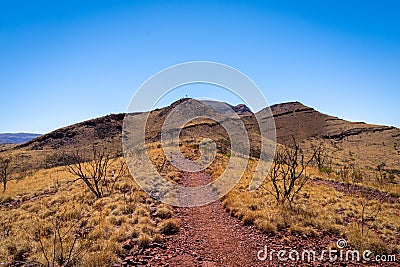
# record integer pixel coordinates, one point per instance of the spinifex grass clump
(59, 223)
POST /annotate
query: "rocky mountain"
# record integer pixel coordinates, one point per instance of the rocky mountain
(296, 119)
(350, 143)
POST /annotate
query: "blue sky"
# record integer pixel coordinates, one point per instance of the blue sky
(66, 61)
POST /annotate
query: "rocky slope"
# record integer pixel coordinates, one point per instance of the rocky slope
(353, 143)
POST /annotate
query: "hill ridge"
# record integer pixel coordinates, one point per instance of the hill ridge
(347, 141)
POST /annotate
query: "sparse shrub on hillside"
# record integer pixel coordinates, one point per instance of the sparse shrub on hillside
(345, 176)
(360, 233)
(350, 175)
(384, 178)
(13, 169)
(369, 240)
(288, 173)
(327, 170)
(369, 212)
(59, 241)
(357, 176)
(6, 171)
(321, 158)
(99, 174)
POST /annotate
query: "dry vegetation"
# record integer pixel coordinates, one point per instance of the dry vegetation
(360, 208)
(48, 220)
(347, 192)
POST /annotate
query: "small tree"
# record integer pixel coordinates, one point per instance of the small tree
(348, 176)
(99, 174)
(369, 211)
(344, 174)
(321, 159)
(59, 242)
(357, 176)
(383, 178)
(8, 171)
(288, 173)
(13, 168)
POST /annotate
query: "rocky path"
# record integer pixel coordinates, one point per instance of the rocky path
(357, 190)
(209, 236)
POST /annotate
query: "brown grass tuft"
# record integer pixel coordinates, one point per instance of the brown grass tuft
(170, 226)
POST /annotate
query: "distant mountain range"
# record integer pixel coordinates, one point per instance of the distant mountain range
(16, 138)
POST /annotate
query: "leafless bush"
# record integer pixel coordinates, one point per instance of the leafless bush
(6, 170)
(13, 169)
(288, 173)
(369, 212)
(321, 158)
(382, 177)
(357, 176)
(100, 173)
(59, 242)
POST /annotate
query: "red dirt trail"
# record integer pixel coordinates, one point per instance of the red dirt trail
(209, 236)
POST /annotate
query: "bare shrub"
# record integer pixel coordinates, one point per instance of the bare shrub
(100, 173)
(383, 178)
(59, 242)
(369, 212)
(13, 169)
(288, 173)
(321, 159)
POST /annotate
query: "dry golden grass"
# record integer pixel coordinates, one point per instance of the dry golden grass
(37, 207)
(48, 219)
(169, 226)
(45, 181)
(318, 210)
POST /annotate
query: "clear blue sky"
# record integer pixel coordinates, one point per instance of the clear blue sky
(66, 61)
